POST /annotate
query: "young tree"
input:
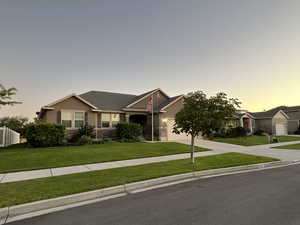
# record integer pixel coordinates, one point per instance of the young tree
(203, 116)
(6, 96)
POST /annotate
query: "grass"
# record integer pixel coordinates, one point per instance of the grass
(292, 147)
(20, 158)
(33, 190)
(254, 140)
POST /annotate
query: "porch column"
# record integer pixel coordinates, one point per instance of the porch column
(242, 122)
(250, 124)
(127, 117)
(96, 125)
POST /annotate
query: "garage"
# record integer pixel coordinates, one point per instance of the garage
(172, 136)
(281, 129)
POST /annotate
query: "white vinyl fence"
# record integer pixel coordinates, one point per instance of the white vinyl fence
(8, 137)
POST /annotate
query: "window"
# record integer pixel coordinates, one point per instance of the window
(79, 119)
(115, 119)
(66, 119)
(105, 120)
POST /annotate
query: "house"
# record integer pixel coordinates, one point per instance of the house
(104, 110)
(274, 121)
(293, 112)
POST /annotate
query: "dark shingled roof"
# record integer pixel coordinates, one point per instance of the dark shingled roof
(292, 111)
(111, 101)
(108, 100)
(268, 114)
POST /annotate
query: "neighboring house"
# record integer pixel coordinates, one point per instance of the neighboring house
(293, 112)
(273, 122)
(104, 110)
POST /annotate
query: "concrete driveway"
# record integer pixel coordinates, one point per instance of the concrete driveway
(262, 150)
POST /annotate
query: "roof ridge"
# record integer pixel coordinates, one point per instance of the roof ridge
(108, 92)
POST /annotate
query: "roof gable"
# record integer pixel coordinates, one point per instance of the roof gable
(144, 96)
(68, 97)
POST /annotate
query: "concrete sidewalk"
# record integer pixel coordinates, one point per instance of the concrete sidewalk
(261, 150)
(34, 174)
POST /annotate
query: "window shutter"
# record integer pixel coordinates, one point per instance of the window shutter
(58, 117)
(86, 118)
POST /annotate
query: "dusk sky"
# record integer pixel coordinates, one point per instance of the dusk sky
(249, 49)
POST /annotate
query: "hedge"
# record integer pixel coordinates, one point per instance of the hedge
(44, 134)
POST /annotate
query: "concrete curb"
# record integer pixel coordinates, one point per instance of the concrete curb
(12, 213)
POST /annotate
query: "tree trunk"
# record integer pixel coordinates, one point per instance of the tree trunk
(192, 149)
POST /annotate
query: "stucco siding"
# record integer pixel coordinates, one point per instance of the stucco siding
(293, 125)
(264, 124)
(170, 113)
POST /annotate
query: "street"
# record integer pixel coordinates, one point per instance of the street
(267, 197)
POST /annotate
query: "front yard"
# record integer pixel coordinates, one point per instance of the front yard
(292, 147)
(254, 140)
(34, 190)
(21, 158)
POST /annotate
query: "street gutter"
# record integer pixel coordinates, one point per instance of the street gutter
(28, 210)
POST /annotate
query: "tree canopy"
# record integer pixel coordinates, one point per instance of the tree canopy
(203, 116)
(6, 95)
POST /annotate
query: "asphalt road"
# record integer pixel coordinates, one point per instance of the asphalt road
(269, 197)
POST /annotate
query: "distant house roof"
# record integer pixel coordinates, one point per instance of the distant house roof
(292, 111)
(108, 100)
(268, 114)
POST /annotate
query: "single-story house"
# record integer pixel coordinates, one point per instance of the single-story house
(104, 110)
(273, 121)
(293, 113)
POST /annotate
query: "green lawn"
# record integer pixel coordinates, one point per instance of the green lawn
(254, 140)
(18, 158)
(293, 147)
(33, 190)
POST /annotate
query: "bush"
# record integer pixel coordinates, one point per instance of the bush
(129, 131)
(237, 132)
(44, 134)
(84, 140)
(259, 132)
(85, 130)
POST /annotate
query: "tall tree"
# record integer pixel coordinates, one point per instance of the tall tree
(6, 95)
(202, 115)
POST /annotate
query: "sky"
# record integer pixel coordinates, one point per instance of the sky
(249, 49)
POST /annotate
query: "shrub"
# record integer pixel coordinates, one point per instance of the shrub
(84, 140)
(129, 131)
(44, 134)
(237, 132)
(259, 132)
(85, 130)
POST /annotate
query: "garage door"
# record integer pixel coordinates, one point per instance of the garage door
(172, 136)
(281, 129)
